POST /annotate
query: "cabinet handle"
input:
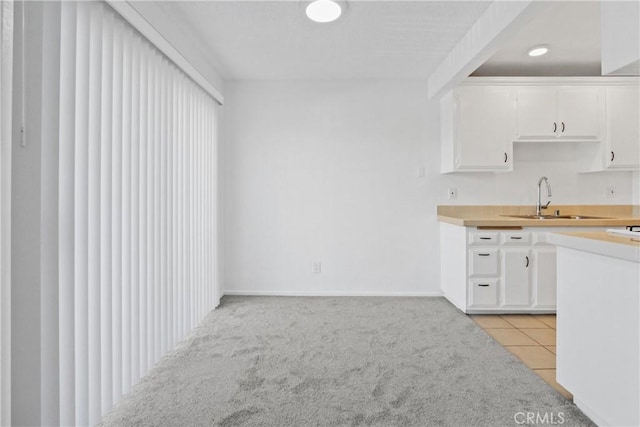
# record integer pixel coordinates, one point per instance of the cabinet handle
(527, 261)
(562, 127)
(516, 237)
(484, 254)
(484, 285)
(613, 156)
(485, 238)
(506, 157)
(555, 127)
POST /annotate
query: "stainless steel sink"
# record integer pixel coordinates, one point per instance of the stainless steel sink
(556, 216)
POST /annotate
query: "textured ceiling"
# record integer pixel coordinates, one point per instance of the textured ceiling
(392, 39)
(373, 39)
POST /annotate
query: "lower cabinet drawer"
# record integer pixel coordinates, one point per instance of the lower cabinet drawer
(483, 262)
(483, 293)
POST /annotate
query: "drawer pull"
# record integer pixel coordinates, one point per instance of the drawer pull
(484, 254)
(527, 261)
(485, 238)
(516, 237)
(484, 285)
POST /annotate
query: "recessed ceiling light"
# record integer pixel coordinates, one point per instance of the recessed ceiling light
(538, 50)
(323, 10)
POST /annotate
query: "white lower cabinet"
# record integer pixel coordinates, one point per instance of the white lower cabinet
(483, 293)
(483, 262)
(516, 264)
(544, 277)
(499, 271)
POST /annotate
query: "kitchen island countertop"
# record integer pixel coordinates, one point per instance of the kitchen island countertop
(599, 243)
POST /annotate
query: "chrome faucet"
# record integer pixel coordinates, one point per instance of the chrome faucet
(539, 205)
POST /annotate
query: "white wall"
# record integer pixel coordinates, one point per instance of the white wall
(326, 171)
(620, 37)
(556, 160)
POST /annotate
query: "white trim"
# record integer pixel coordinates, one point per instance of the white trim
(138, 22)
(333, 294)
(547, 81)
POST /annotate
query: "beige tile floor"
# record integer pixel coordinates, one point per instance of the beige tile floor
(532, 338)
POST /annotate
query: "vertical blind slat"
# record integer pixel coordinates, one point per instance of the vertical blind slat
(189, 166)
(81, 250)
(150, 208)
(210, 216)
(169, 206)
(134, 214)
(106, 378)
(162, 188)
(199, 212)
(198, 204)
(95, 71)
(66, 212)
(49, 260)
(142, 200)
(180, 207)
(116, 211)
(127, 264)
(157, 238)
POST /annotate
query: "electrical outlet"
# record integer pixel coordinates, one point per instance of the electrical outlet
(420, 172)
(610, 192)
(452, 193)
(316, 267)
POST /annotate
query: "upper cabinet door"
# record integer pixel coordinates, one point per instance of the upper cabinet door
(579, 113)
(548, 113)
(623, 127)
(484, 128)
(537, 113)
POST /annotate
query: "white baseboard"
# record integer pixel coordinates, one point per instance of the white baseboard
(334, 294)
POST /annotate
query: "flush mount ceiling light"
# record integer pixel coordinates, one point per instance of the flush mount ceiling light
(323, 11)
(538, 50)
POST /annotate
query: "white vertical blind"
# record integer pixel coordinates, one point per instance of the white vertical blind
(134, 235)
(66, 209)
(6, 81)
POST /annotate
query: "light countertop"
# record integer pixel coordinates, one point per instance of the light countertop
(498, 216)
(600, 243)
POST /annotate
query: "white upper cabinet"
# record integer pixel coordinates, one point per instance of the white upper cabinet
(537, 113)
(483, 117)
(548, 113)
(477, 129)
(623, 128)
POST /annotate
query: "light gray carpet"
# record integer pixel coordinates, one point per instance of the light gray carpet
(290, 361)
